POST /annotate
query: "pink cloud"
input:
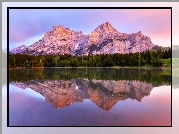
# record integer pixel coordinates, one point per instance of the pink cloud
(154, 23)
(23, 30)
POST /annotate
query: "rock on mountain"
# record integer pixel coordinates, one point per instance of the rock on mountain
(105, 39)
(59, 40)
(18, 49)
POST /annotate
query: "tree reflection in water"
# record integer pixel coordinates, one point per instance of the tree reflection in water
(104, 87)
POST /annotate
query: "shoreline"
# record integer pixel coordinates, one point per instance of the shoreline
(114, 67)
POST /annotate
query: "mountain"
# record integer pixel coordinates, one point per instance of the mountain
(105, 39)
(18, 49)
(156, 47)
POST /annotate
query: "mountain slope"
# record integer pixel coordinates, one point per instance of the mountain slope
(18, 49)
(105, 39)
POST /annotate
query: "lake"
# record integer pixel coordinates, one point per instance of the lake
(89, 97)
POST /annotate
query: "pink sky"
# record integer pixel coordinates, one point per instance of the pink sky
(23, 30)
(154, 24)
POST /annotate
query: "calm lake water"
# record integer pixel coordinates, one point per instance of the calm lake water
(89, 97)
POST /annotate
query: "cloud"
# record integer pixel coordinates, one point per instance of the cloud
(26, 42)
(28, 23)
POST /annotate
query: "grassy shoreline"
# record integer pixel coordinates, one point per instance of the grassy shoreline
(81, 67)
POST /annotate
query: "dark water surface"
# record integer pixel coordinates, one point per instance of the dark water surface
(89, 97)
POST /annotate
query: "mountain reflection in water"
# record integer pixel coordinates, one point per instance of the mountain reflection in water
(105, 87)
(103, 96)
(105, 93)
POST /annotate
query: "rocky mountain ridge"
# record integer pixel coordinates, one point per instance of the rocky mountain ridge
(105, 39)
(19, 49)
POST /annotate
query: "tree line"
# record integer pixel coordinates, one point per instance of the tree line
(151, 58)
